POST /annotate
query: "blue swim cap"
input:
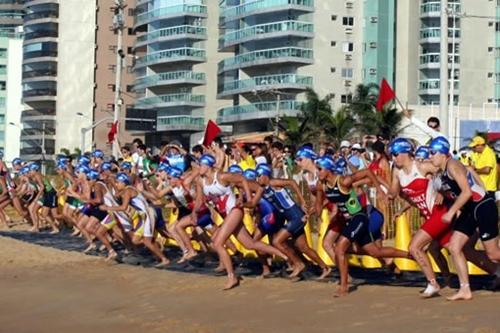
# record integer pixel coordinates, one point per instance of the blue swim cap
(34, 167)
(163, 167)
(126, 166)
(439, 145)
(17, 161)
(306, 152)
(250, 174)
(123, 178)
(61, 166)
(423, 152)
(24, 170)
(174, 172)
(84, 160)
(400, 146)
(82, 169)
(326, 162)
(208, 160)
(106, 166)
(97, 153)
(235, 169)
(93, 175)
(263, 169)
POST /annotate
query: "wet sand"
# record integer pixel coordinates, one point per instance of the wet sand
(49, 290)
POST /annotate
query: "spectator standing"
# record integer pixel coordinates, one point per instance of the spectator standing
(484, 162)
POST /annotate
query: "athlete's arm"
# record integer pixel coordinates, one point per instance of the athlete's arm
(257, 191)
(126, 196)
(395, 187)
(237, 180)
(293, 185)
(458, 172)
(320, 197)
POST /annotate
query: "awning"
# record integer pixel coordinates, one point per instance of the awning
(252, 137)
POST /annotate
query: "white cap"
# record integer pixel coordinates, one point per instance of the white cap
(345, 144)
(356, 146)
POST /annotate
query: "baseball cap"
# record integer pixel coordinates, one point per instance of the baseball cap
(345, 144)
(476, 141)
(356, 146)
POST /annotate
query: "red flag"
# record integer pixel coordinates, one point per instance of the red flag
(211, 133)
(386, 94)
(112, 132)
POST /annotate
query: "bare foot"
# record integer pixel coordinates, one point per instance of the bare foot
(182, 259)
(163, 263)
(111, 255)
(76, 232)
(33, 229)
(431, 290)
(91, 247)
(190, 255)
(341, 292)
(297, 270)
(463, 294)
(326, 271)
(232, 282)
(54, 231)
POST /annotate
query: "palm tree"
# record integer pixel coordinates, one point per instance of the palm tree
(368, 119)
(343, 124)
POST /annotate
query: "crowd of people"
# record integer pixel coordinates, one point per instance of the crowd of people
(111, 202)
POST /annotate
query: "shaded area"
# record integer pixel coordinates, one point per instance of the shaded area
(205, 263)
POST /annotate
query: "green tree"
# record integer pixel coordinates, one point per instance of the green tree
(368, 119)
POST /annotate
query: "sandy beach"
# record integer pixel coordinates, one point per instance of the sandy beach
(49, 290)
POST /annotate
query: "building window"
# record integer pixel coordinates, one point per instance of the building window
(131, 31)
(130, 50)
(347, 47)
(131, 11)
(333, 43)
(112, 68)
(348, 21)
(111, 87)
(333, 69)
(333, 17)
(344, 99)
(490, 75)
(130, 87)
(112, 48)
(347, 73)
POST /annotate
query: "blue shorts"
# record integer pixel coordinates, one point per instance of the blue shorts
(294, 220)
(357, 230)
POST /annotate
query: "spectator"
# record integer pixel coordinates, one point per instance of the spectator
(221, 162)
(126, 155)
(484, 163)
(356, 160)
(246, 159)
(269, 140)
(277, 157)
(259, 153)
(464, 158)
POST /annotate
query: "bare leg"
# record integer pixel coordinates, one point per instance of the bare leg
(455, 246)
(492, 249)
(419, 241)
(280, 242)
(341, 248)
(247, 241)
(329, 243)
(301, 244)
(180, 231)
(435, 251)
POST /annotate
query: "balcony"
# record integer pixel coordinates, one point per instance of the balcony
(38, 17)
(432, 61)
(39, 95)
(265, 31)
(433, 35)
(170, 12)
(40, 34)
(262, 110)
(39, 56)
(265, 6)
(267, 82)
(170, 79)
(433, 9)
(38, 115)
(432, 87)
(180, 123)
(170, 100)
(267, 57)
(171, 56)
(167, 34)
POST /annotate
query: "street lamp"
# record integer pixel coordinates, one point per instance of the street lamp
(41, 146)
(84, 130)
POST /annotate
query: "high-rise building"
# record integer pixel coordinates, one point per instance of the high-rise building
(69, 71)
(175, 67)
(11, 20)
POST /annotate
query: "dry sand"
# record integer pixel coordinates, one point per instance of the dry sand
(48, 290)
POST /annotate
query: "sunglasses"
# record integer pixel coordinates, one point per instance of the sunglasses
(298, 159)
(395, 154)
(433, 126)
(433, 152)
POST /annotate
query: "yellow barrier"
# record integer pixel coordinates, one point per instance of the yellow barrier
(402, 241)
(323, 228)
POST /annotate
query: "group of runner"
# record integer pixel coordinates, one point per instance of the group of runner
(123, 203)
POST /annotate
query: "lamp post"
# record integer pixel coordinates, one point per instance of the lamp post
(84, 130)
(41, 146)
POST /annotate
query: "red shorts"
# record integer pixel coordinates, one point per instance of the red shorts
(435, 226)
